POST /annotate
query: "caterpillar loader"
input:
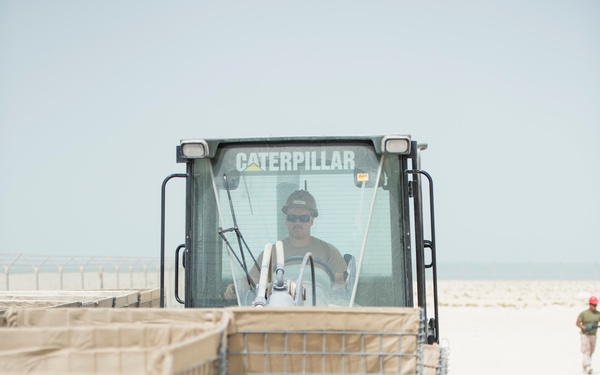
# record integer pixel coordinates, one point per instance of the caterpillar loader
(322, 236)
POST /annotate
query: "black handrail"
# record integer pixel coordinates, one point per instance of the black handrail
(182, 246)
(431, 244)
(162, 233)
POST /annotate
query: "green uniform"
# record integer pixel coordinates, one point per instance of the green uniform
(590, 317)
(321, 250)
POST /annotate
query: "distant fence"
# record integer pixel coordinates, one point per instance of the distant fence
(40, 272)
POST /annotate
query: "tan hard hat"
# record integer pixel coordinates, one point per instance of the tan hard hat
(301, 199)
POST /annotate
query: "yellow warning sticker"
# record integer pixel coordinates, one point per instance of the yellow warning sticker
(362, 177)
(253, 168)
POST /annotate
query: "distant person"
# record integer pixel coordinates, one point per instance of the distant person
(587, 321)
(300, 212)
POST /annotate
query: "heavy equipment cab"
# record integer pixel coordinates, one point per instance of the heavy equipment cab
(370, 207)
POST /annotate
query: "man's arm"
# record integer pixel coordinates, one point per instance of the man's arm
(339, 280)
(583, 327)
(337, 262)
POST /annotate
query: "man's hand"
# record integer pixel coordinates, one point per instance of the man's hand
(229, 292)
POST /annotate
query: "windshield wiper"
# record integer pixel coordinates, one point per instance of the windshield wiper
(240, 239)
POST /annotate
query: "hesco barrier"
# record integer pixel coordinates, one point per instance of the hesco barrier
(118, 298)
(112, 341)
(326, 341)
(218, 341)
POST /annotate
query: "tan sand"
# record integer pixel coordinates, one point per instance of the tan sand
(514, 327)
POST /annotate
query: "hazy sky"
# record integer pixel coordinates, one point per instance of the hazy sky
(94, 97)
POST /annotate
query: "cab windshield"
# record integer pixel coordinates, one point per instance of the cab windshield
(357, 198)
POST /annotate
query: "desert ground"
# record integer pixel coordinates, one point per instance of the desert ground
(514, 327)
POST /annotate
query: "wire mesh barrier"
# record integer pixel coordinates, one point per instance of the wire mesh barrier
(113, 341)
(444, 353)
(320, 352)
(326, 341)
(218, 341)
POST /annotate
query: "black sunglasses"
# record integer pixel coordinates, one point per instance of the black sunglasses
(302, 218)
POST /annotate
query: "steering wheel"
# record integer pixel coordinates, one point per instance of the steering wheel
(323, 265)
